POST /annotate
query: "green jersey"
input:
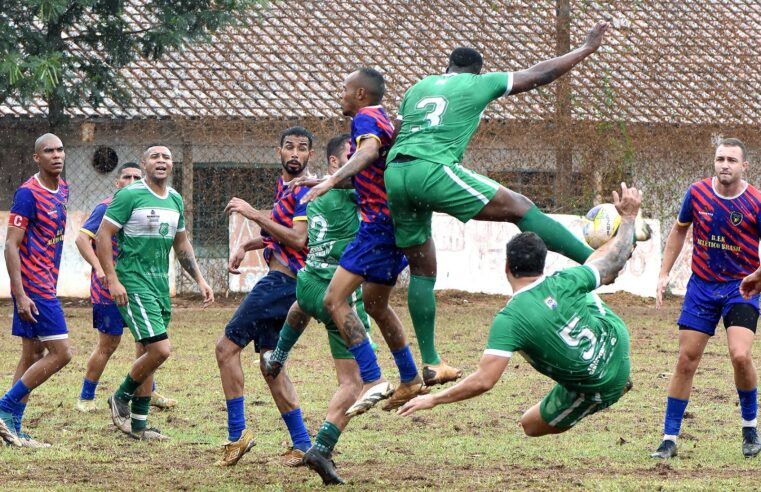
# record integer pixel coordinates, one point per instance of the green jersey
(147, 223)
(441, 113)
(562, 329)
(333, 220)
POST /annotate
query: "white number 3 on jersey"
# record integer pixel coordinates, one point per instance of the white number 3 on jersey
(434, 107)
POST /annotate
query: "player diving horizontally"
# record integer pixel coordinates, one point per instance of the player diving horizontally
(561, 327)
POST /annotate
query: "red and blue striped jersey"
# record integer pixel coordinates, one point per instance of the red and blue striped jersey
(725, 231)
(286, 210)
(98, 293)
(372, 122)
(41, 213)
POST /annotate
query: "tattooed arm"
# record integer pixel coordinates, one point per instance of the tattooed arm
(612, 256)
(184, 251)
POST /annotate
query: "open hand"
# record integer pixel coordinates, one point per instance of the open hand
(595, 36)
(629, 202)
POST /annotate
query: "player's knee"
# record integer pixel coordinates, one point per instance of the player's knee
(529, 426)
(63, 356)
(223, 350)
(331, 303)
(741, 358)
(687, 362)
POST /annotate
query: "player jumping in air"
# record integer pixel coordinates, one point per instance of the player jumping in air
(263, 312)
(105, 314)
(372, 259)
(725, 214)
(33, 255)
(562, 329)
(148, 219)
(437, 118)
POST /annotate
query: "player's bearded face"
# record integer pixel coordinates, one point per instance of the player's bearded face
(294, 154)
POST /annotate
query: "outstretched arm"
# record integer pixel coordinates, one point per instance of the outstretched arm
(611, 257)
(490, 369)
(367, 153)
(547, 71)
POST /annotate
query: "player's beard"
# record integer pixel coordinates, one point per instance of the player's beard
(294, 167)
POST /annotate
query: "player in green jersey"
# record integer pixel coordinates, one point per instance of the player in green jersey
(148, 220)
(437, 118)
(333, 220)
(561, 328)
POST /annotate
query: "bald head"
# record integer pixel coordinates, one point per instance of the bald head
(47, 140)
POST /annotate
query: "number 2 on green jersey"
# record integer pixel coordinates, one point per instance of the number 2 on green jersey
(435, 107)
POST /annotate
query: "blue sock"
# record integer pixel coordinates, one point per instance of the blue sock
(18, 416)
(13, 397)
(236, 418)
(88, 390)
(298, 431)
(405, 363)
(748, 406)
(367, 361)
(674, 412)
(153, 388)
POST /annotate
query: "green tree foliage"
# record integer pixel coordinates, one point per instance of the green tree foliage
(69, 52)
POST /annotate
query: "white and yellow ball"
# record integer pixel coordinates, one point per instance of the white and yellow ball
(600, 224)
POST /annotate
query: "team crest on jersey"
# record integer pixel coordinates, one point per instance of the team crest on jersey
(736, 217)
(164, 229)
(551, 303)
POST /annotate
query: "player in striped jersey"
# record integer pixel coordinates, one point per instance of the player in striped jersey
(148, 219)
(105, 314)
(262, 313)
(725, 214)
(33, 255)
(372, 260)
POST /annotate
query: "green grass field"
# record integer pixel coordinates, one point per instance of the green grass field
(472, 445)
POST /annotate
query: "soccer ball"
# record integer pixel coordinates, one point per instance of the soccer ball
(600, 224)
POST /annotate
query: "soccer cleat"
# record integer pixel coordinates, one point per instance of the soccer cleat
(405, 392)
(642, 231)
(120, 414)
(751, 442)
(232, 452)
(8, 429)
(271, 368)
(441, 373)
(666, 450)
(28, 441)
(160, 401)
(149, 434)
(369, 398)
(86, 406)
(293, 457)
(323, 465)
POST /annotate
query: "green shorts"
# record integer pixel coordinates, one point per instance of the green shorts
(563, 408)
(146, 314)
(417, 188)
(310, 292)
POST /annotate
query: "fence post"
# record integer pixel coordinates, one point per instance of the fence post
(563, 140)
(187, 186)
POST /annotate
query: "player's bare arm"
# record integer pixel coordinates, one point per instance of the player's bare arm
(547, 71)
(183, 249)
(103, 238)
(240, 253)
(611, 257)
(84, 245)
(490, 369)
(26, 307)
(367, 153)
(294, 237)
(674, 245)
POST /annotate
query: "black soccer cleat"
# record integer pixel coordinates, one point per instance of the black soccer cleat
(323, 465)
(666, 450)
(271, 368)
(751, 442)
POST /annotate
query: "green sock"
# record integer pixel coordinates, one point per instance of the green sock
(140, 406)
(127, 389)
(288, 338)
(327, 437)
(555, 236)
(422, 305)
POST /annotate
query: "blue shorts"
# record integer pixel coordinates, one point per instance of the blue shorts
(707, 302)
(50, 324)
(107, 319)
(373, 255)
(261, 315)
